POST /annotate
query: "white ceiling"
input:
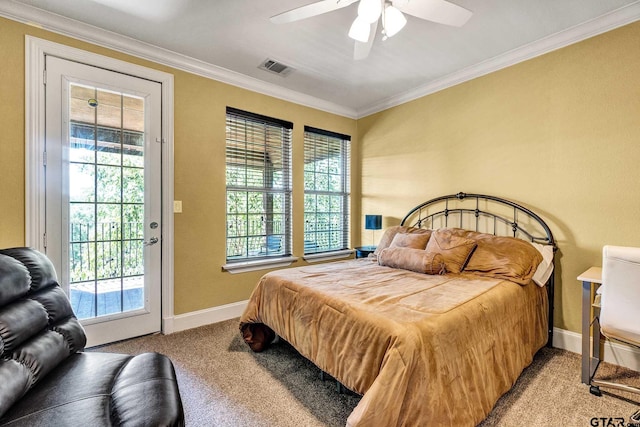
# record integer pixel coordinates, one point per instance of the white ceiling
(237, 36)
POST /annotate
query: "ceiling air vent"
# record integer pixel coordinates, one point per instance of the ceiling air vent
(275, 67)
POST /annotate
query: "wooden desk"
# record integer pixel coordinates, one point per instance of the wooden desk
(591, 281)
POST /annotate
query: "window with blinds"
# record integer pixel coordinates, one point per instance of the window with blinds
(326, 190)
(258, 175)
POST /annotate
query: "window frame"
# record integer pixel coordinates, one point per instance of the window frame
(312, 137)
(241, 158)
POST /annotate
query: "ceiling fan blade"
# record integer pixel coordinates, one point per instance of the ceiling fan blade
(361, 50)
(440, 11)
(313, 9)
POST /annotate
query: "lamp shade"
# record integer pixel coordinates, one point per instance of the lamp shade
(360, 30)
(369, 10)
(393, 21)
(373, 222)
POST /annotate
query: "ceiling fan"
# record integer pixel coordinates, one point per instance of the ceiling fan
(371, 12)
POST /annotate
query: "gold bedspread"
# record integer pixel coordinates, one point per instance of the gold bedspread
(423, 350)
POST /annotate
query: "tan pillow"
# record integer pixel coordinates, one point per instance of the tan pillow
(504, 257)
(454, 249)
(412, 259)
(410, 240)
(390, 233)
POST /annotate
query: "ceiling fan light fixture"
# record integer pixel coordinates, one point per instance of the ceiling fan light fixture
(360, 30)
(392, 20)
(369, 10)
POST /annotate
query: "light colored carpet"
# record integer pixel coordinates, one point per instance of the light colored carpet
(223, 383)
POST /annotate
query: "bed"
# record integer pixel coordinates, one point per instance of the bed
(435, 326)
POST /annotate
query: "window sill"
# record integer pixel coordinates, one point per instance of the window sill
(326, 256)
(261, 264)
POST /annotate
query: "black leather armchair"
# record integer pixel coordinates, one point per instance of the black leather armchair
(46, 379)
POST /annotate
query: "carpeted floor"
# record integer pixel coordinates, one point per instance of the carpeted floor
(223, 383)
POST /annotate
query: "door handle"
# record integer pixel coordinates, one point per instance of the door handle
(152, 241)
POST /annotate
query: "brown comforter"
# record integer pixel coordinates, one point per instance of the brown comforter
(422, 349)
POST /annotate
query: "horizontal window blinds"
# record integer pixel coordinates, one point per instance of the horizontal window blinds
(258, 178)
(326, 190)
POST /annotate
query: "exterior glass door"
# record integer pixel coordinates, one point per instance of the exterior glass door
(103, 196)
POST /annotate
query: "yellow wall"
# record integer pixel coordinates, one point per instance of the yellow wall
(559, 134)
(199, 166)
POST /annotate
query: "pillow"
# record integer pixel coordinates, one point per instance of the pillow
(455, 250)
(390, 233)
(545, 268)
(407, 240)
(412, 259)
(501, 257)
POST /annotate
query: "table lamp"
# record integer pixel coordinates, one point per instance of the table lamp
(373, 222)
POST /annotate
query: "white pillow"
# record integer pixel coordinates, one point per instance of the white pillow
(545, 268)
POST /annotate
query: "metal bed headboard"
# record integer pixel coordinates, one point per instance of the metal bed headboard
(487, 214)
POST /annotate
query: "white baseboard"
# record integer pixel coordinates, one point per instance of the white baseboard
(615, 353)
(207, 316)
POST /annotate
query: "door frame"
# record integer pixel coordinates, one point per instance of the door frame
(35, 51)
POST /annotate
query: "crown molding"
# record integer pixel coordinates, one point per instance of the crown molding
(607, 22)
(88, 33)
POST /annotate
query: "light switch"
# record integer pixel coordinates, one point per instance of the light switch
(177, 206)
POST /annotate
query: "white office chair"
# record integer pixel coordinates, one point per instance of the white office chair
(620, 304)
